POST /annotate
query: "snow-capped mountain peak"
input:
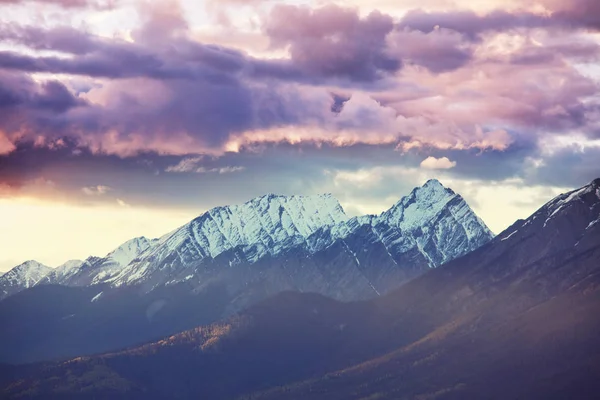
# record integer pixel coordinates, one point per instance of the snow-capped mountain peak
(420, 206)
(97, 269)
(566, 200)
(128, 251)
(69, 265)
(264, 225)
(330, 253)
(27, 274)
(22, 277)
(62, 273)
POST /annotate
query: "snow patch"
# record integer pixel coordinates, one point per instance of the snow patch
(509, 236)
(96, 297)
(591, 224)
(375, 290)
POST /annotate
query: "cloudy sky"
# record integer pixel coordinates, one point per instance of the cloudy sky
(121, 118)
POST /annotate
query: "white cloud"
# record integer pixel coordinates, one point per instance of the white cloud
(189, 164)
(221, 170)
(122, 203)
(438, 163)
(96, 190)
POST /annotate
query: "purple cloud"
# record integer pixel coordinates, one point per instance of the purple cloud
(563, 14)
(334, 41)
(439, 51)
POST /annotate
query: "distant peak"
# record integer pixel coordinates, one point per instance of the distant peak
(433, 182)
(141, 240)
(432, 186)
(30, 263)
(70, 264)
(595, 183)
(138, 239)
(28, 273)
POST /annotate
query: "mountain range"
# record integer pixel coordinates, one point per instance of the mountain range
(514, 318)
(226, 260)
(284, 234)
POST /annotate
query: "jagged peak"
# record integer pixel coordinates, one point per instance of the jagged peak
(434, 185)
(129, 250)
(433, 182)
(28, 273)
(425, 203)
(70, 264)
(29, 264)
(588, 194)
(326, 201)
(283, 196)
(134, 241)
(432, 193)
(575, 195)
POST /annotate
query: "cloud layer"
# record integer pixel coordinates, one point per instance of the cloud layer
(209, 103)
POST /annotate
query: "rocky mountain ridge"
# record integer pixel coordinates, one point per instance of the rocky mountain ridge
(306, 243)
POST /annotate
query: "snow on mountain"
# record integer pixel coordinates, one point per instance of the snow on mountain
(433, 218)
(265, 225)
(574, 215)
(440, 221)
(62, 273)
(567, 200)
(304, 243)
(128, 251)
(583, 205)
(427, 228)
(22, 277)
(96, 269)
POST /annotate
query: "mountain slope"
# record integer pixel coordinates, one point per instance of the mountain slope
(516, 318)
(21, 277)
